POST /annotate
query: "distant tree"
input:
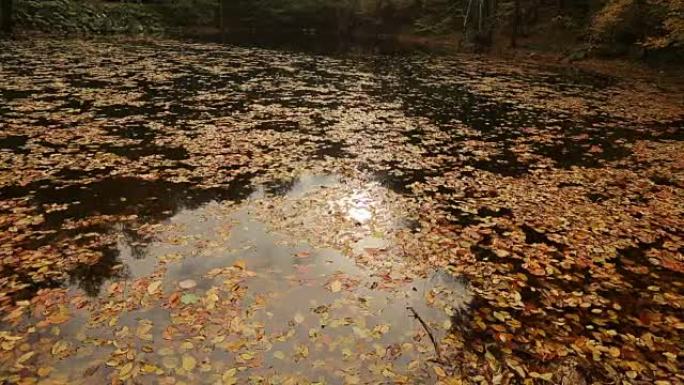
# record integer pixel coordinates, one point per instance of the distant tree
(516, 23)
(479, 21)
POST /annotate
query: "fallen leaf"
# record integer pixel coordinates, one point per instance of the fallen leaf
(335, 286)
(187, 284)
(189, 363)
(153, 287)
(189, 298)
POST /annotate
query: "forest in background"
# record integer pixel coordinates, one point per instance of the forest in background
(637, 28)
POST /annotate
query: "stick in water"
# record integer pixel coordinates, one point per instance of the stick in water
(427, 330)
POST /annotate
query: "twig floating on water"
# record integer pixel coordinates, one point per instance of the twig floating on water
(427, 330)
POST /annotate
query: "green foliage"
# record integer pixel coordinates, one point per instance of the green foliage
(69, 16)
(96, 17)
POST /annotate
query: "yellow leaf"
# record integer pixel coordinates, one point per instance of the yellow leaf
(44, 372)
(303, 351)
(439, 371)
(614, 352)
(189, 363)
(279, 355)
(165, 351)
(149, 368)
(153, 287)
(25, 357)
(230, 373)
(453, 381)
(125, 370)
(501, 316)
(59, 347)
(515, 366)
(335, 286)
(170, 362)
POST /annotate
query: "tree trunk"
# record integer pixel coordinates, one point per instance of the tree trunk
(222, 18)
(6, 16)
(479, 22)
(516, 23)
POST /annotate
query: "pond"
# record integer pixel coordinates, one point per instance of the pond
(188, 213)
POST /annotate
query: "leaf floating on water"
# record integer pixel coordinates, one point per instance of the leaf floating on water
(153, 287)
(229, 373)
(614, 352)
(302, 351)
(189, 299)
(516, 367)
(25, 357)
(165, 351)
(59, 348)
(143, 330)
(125, 370)
(189, 363)
(149, 368)
(439, 371)
(187, 284)
(211, 298)
(446, 325)
(336, 286)
(548, 377)
(45, 371)
(228, 377)
(170, 362)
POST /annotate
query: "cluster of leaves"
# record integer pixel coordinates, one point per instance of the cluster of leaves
(227, 324)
